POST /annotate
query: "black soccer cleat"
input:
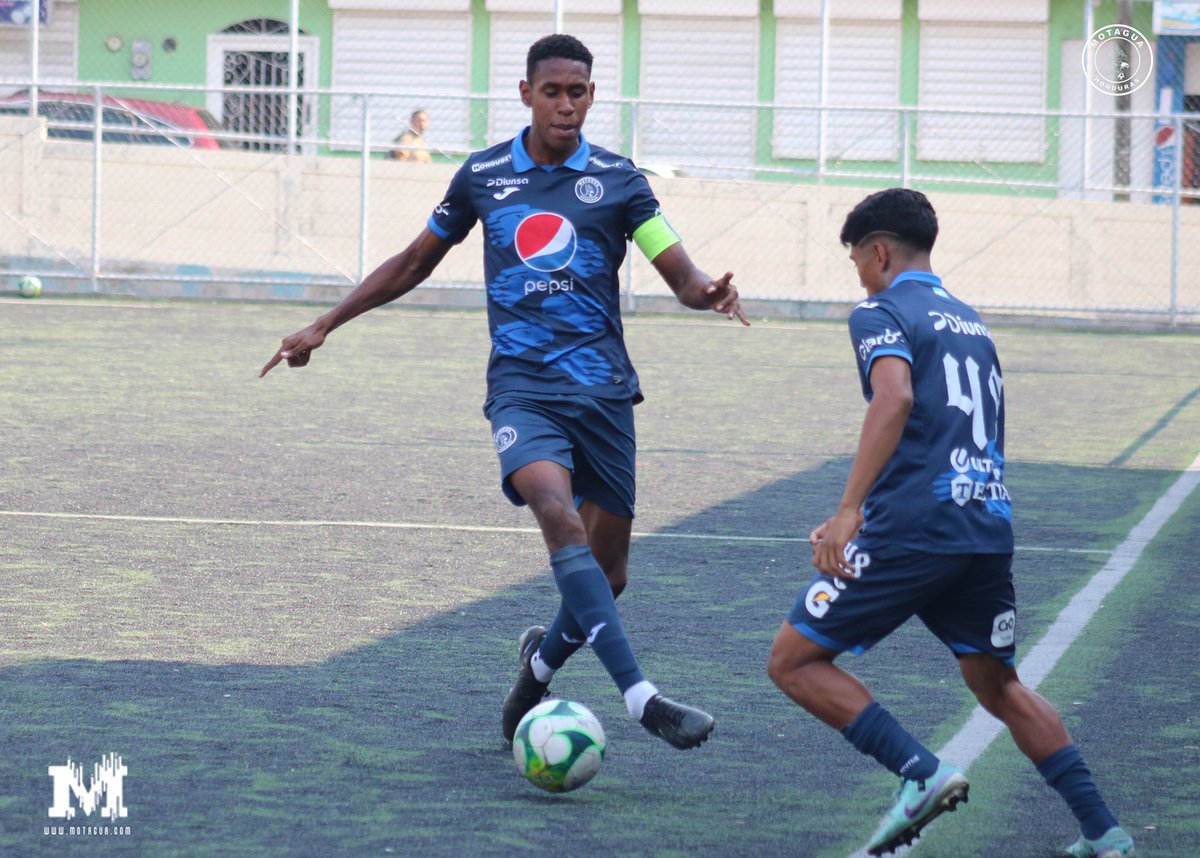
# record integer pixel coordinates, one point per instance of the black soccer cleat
(676, 724)
(526, 692)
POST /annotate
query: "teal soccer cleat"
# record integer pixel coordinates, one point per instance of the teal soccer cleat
(918, 803)
(1114, 843)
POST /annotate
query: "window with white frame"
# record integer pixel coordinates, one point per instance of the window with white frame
(976, 63)
(863, 68)
(423, 57)
(692, 58)
(58, 48)
(513, 33)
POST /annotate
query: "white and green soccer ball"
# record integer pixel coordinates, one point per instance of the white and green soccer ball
(29, 286)
(559, 745)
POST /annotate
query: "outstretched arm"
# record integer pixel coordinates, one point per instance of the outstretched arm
(883, 426)
(397, 276)
(694, 288)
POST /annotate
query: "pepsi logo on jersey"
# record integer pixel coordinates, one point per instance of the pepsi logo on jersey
(545, 241)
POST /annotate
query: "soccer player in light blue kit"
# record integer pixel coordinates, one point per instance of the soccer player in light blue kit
(557, 213)
(924, 528)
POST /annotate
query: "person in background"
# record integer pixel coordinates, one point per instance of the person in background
(411, 144)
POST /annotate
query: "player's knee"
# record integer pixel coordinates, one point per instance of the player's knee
(775, 668)
(617, 579)
(616, 570)
(990, 699)
(780, 667)
(996, 692)
(557, 518)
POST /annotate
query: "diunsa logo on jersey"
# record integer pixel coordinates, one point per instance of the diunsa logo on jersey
(546, 241)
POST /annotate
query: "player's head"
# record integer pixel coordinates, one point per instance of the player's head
(557, 46)
(559, 92)
(906, 215)
(890, 232)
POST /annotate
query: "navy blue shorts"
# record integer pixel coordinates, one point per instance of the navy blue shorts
(590, 437)
(967, 600)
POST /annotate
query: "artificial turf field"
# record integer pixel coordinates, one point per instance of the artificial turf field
(290, 604)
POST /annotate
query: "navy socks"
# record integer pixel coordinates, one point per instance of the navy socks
(588, 615)
(563, 639)
(1067, 773)
(877, 734)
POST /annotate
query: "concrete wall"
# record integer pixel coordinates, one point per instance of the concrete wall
(231, 223)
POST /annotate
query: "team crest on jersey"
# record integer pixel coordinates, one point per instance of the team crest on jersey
(504, 437)
(545, 241)
(589, 190)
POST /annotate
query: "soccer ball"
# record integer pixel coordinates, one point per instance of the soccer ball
(29, 286)
(559, 745)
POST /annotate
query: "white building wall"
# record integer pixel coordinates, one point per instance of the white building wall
(58, 49)
(423, 55)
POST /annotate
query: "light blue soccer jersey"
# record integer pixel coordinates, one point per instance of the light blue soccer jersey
(943, 490)
(554, 242)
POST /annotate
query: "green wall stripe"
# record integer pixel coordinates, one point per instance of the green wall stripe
(631, 67)
(481, 71)
(764, 121)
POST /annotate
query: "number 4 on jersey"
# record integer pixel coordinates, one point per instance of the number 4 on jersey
(973, 405)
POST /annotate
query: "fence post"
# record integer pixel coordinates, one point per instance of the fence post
(630, 298)
(35, 43)
(1176, 204)
(364, 185)
(904, 165)
(823, 93)
(1089, 27)
(97, 139)
(634, 131)
(293, 75)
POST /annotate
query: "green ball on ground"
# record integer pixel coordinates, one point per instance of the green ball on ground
(29, 286)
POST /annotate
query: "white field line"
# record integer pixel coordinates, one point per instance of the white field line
(974, 737)
(103, 301)
(416, 525)
(379, 525)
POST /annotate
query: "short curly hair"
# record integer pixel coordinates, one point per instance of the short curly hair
(906, 214)
(557, 46)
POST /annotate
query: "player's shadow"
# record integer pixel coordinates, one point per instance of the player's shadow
(394, 747)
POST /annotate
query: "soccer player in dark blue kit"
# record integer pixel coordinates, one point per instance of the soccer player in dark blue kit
(557, 213)
(924, 528)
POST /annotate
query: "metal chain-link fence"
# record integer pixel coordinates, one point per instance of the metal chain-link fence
(201, 150)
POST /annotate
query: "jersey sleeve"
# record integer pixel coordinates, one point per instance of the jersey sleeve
(454, 216)
(875, 333)
(645, 224)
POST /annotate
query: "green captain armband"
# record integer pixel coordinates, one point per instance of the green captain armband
(655, 236)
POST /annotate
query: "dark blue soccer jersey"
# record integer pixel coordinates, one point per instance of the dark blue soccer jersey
(943, 490)
(554, 241)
